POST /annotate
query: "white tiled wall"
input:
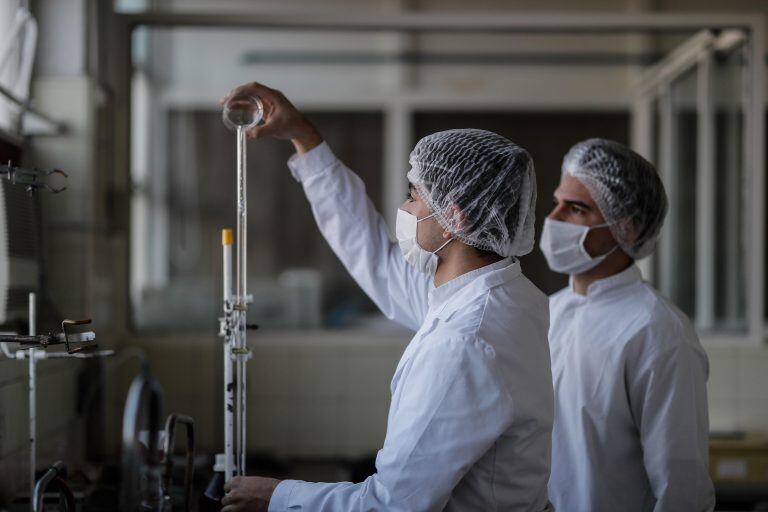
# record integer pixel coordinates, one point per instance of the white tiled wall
(331, 399)
(738, 388)
(310, 394)
(326, 394)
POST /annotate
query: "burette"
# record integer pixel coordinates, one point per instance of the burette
(241, 112)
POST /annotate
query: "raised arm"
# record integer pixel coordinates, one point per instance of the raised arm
(345, 215)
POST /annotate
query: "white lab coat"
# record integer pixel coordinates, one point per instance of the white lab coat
(631, 426)
(469, 426)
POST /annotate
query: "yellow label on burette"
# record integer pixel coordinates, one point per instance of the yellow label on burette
(226, 237)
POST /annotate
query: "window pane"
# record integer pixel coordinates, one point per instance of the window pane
(678, 151)
(295, 279)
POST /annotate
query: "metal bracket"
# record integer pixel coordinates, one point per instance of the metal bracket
(33, 178)
(81, 348)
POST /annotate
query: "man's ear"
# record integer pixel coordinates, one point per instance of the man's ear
(627, 226)
(458, 215)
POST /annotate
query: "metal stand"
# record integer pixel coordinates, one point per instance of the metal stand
(36, 352)
(32, 395)
(233, 328)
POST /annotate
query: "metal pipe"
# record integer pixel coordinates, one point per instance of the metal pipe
(57, 473)
(513, 22)
(241, 409)
(706, 194)
(141, 478)
(170, 439)
(241, 306)
(38, 490)
(242, 218)
(32, 394)
(234, 323)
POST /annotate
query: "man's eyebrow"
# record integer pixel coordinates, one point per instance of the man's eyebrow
(573, 202)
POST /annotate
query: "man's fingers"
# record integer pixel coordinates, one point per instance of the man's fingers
(263, 91)
(231, 498)
(257, 89)
(266, 130)
(252, 88)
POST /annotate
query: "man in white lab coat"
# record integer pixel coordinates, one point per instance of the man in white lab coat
(469, 426)
(631, 426)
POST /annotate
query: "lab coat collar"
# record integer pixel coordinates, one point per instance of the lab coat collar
(627, 276)
(482, 278)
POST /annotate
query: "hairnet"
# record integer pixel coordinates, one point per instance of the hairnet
(626, 188)
(480, 186)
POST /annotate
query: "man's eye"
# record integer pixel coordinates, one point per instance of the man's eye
(577, 210)
(408, 196)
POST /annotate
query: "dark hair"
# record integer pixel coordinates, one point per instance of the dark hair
(487, 253)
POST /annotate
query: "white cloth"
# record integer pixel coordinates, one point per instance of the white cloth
(631, 426)
(469, 425)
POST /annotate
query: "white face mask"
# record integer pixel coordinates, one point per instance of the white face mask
(563, 246)
(405, 231)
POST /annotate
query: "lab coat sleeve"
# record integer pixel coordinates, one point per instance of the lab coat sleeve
(669, 401)
(452, 407)
(358, 235)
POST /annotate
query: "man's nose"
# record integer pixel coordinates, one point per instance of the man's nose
(557, 213)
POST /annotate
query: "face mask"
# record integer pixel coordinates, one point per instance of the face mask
(563, 246)
(405, 231)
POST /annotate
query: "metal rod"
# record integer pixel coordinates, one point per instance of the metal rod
(229, 396)
(57, 472)
(242, 293)
(189, 468)
(141, 477)
(533, 22)
(706, 194)
(26, 107)
(241, 358)
(233, 324)
(32, 395)
(242, 220)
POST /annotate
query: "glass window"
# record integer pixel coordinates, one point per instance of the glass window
(691, 166)
(183, 179)
(678, 247)
(10, 73)
(295, 278)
